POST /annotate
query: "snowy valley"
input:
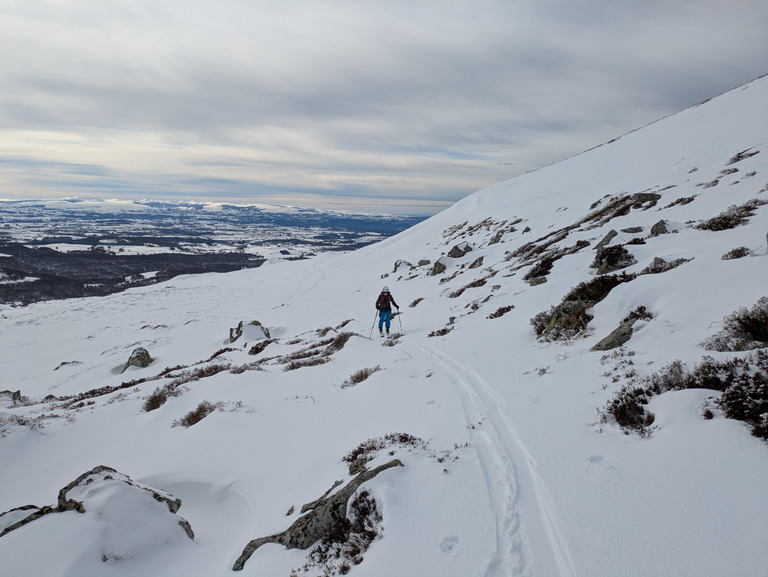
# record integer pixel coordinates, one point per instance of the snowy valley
(496, 431)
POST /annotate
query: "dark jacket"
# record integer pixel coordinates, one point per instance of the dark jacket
(385, 302)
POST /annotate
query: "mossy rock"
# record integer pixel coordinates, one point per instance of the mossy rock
(438, 268)
(617, 338)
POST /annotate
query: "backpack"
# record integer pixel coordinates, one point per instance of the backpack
(382, 303)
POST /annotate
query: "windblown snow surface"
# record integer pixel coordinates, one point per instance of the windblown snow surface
(519, 474)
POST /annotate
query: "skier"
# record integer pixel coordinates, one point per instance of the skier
(384, 306)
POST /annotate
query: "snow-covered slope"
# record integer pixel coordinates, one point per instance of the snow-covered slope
(508, 467)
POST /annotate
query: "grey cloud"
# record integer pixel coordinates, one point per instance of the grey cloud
(450, 94)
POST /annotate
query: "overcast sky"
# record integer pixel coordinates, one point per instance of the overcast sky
(376, 106)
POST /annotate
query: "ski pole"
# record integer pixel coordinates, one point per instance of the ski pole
(373, 325)
(399, 319)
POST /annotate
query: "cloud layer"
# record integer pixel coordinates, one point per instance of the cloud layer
(378, 106)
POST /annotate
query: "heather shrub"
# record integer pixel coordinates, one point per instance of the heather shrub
(155, 400)
(260, 346)
(501, 311)
(563, 322)
(598, 288)
(541, 268)
(367, 449)
(627, 408)
(474, 284)
(440, 332)
(359, 376)
(739, 156)
(743, 383)
(317, 353)
(195, 416)
(160, 395)
(310, 362)
(640, 314)
(570, 318)
(394, 339)
(659, 265)
(739, 252)
(733, 217)
(743, 330)
(339, 341)
(612, 258)
(347, 539)
(220, 352)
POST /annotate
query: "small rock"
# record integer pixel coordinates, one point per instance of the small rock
(478, 262)
(438, 268)
(459, 250)
(606, 239)
(617, 338)
(659, 228)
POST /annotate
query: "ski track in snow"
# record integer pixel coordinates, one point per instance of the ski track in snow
(528, 537)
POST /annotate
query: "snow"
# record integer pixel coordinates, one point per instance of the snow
(519, 476)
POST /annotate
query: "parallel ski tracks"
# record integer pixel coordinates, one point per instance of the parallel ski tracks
(528, 538)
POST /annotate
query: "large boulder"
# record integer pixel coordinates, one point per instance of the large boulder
(139, 358)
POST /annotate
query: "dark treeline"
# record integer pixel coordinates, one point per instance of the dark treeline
(96, 272)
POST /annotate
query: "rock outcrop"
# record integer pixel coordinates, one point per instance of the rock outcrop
(460, 250)
(322, 521)
(13, 396)
(133, 518)
(606, 240)
(253, 330)
(659, 228)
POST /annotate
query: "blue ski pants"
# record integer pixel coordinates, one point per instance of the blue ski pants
(384, 317)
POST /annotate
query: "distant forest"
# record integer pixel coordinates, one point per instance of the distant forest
(39, 274)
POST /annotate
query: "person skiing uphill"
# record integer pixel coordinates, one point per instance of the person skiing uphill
(384, 306)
